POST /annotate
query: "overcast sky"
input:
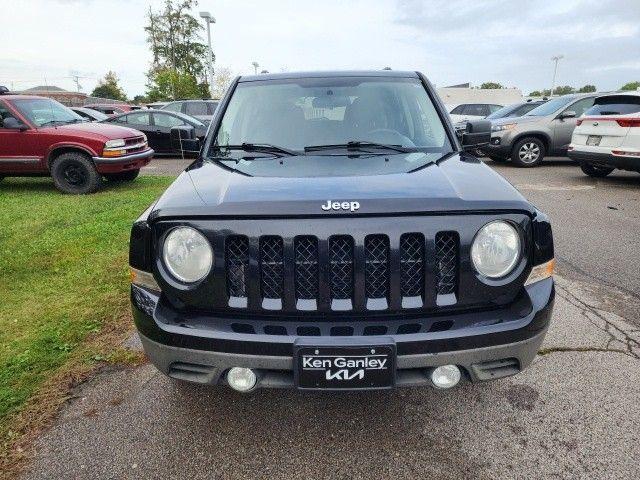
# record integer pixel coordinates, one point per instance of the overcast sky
(507, 41)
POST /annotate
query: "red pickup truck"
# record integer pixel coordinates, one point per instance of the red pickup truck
(41, 137)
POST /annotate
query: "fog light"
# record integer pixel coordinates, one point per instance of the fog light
(241, 379)
(446, 376)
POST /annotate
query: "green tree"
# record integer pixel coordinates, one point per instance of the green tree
(587, 89)
(536, 93)
(169, 84)
(630, 86)
(108, 87)
(564, 90)
(490, 85)
(177, 51)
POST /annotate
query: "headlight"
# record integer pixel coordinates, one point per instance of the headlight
(114, 143)
(502, 128)
(187, 254)
(496, 249)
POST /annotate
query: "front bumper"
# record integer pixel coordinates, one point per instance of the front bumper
(499, 145)
(201, 349)
(135, 161)
(606, 160)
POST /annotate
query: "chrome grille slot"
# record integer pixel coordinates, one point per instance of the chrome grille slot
(376, 277)
(237, 255)
(271, 272)
(411, 269)
(447, 254)
(341, 271)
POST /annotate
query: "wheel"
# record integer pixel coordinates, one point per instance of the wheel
(528, 152)
(75, 173)
(497, 159)
(128, 176)
(597, 172)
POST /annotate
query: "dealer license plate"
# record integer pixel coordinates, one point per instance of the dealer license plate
(345, 367)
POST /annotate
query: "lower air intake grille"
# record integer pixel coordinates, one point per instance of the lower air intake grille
(237, 253)
(271, 267)
(446, 262)
(306, 274)
(411, 264)
(376, 266)
(341, 267)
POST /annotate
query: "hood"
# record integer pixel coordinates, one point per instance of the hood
(518, 120)
(459, 183)
(105, 131)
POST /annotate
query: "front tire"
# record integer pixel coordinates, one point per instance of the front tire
(74, 173)
(128, 176)
(528, 152)
(596, 172)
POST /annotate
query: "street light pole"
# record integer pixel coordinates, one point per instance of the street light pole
(255, 67)
(555, 71)
(209, 19)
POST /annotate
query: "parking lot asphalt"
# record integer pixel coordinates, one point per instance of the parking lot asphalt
(573, 414)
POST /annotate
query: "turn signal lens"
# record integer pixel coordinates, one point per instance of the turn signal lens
(143, 279)
(540, 272)
(113, 153)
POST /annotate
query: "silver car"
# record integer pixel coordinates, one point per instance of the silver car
(545, 130)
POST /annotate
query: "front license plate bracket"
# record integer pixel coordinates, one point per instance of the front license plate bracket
(345, 367)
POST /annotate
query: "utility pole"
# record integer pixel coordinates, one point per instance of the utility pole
(555, 71)
(255, 67)
(209, 19)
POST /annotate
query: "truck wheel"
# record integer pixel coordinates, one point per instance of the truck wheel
(597, 172)
(528, 152)
(75, 173)
(128, 176)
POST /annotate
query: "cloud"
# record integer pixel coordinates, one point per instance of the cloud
(452, 41)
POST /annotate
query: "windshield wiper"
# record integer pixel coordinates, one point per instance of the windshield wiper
(358, 145)
(260, 147)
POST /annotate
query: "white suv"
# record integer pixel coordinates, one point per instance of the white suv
(608, 135)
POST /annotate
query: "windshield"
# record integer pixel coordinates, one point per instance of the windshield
(550, 107)
(299, 113)
(503, 112)
(44, 111)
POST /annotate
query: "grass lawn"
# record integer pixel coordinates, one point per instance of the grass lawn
(63, 285)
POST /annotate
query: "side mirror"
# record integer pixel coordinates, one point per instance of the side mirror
(14, 124)
(567, 114)
(476, 134)
(184, 139)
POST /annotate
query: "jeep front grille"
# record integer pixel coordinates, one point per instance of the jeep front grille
(342, 272)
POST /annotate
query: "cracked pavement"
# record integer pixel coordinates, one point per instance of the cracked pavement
(572, 414)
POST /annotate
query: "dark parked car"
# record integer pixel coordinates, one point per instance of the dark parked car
(334, 234)
(89, 114)
(203, 110)
(157, 126)
(41, 137)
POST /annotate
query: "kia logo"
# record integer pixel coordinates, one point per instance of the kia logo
(350, 206)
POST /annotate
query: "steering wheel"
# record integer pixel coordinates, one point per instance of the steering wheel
(388, 136)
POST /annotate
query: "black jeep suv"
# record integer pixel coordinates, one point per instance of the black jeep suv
(335, 234)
